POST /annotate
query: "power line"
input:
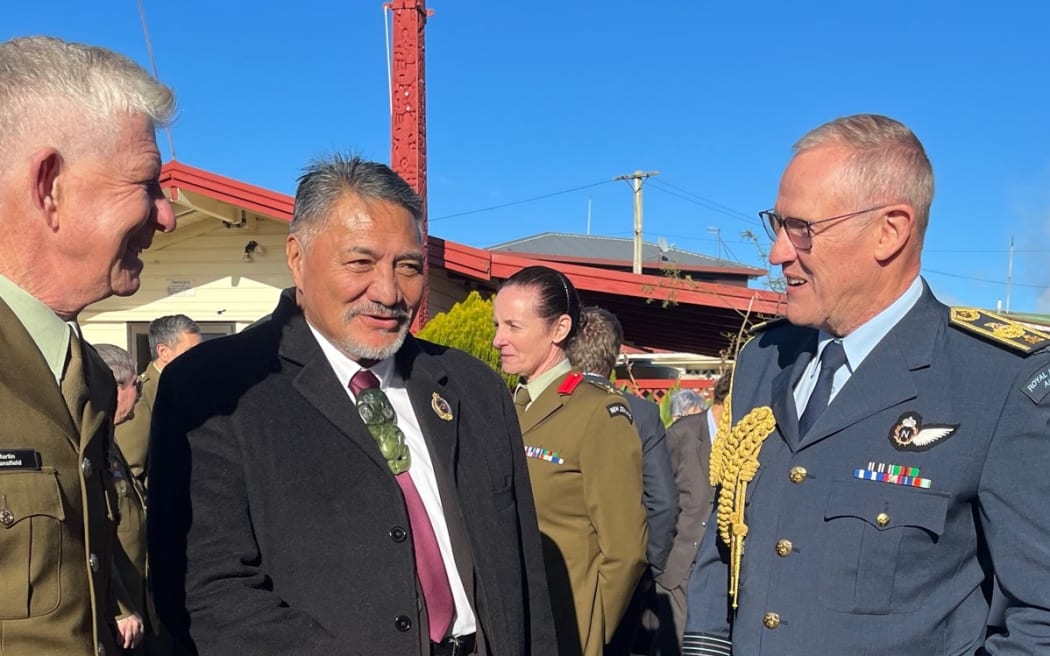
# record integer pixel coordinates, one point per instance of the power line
(521, 202)
(985, 250)
(993, 282)
(153, 62)
(703, 201)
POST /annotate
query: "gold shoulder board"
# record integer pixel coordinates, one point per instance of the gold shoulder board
(766, 325)
(999, 330)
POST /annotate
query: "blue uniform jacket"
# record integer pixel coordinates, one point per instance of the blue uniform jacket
(838, 563)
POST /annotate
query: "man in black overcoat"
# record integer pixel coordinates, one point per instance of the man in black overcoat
(280, 523)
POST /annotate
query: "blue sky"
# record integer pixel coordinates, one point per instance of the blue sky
(529, 99)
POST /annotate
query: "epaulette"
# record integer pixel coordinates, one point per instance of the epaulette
(602, 382)
(999, 330)
(766, 325)
(571, 382)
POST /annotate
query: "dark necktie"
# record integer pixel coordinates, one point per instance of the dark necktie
(521, 400)
(430, 566)
(833, 357)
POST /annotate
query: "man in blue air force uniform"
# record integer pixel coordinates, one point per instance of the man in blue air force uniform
(892, 452)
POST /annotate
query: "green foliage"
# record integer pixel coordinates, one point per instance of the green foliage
(468, 327)
(664, 403)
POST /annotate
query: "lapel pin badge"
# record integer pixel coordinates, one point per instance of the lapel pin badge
(441, 407)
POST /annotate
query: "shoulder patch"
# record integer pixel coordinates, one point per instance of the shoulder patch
(1038, 386)
(571, 382)
(766, 325)
(999, 330)
(620, 409)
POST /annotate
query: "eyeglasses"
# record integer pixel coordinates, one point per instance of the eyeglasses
(800, 231)
(375, 410)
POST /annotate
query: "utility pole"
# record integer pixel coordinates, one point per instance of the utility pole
(718, 240)
(637, 179)
(1009, 273)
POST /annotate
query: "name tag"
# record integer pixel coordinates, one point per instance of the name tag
(19, 459)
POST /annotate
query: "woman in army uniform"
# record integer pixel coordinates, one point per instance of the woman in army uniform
(584, 459)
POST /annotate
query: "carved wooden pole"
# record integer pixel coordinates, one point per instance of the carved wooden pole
(408, 121)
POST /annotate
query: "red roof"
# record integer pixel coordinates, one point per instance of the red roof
(176, 175)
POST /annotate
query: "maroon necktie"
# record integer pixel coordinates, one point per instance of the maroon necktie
(430, 567)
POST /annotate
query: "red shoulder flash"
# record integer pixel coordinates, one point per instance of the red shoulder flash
(571, 382)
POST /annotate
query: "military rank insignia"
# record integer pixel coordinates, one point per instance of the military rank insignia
(1000, 330)
(910, 434)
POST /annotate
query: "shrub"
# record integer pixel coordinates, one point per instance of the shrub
(468, 327)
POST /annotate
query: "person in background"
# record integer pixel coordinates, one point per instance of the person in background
(80, 200)
(686, 402)
(344, 488)
(169, 337)
(690, 438)
(584, 459)
(131, 499)
(892, 451)
(719, 393)
(594, 351)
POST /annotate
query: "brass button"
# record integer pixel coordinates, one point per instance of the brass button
(784, 548)
(93, 562)
(771, 620)
(797, 474)
(87, 468)
(882, 519)
(7, 517)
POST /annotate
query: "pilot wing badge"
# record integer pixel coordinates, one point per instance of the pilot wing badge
(910, 434)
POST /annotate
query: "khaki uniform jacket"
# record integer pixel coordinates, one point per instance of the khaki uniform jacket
(585, 464)
(131, 533)
(57, 529)
(133, 434)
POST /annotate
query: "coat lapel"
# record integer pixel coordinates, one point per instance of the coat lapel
(316, 381)
(25, 375)
(102, 391)
(783, 395)
(543, 407)
(432, 401)
(884, 379)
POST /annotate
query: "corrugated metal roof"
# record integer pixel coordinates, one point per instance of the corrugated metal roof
(612, 248)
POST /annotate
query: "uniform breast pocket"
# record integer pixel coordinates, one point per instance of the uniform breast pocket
(126, 507)
(31, 516)
(877, 541)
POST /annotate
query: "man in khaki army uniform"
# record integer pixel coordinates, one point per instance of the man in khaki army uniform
(169, 337)
(79, 200)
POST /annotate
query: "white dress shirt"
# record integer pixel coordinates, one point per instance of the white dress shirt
(421, 471)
